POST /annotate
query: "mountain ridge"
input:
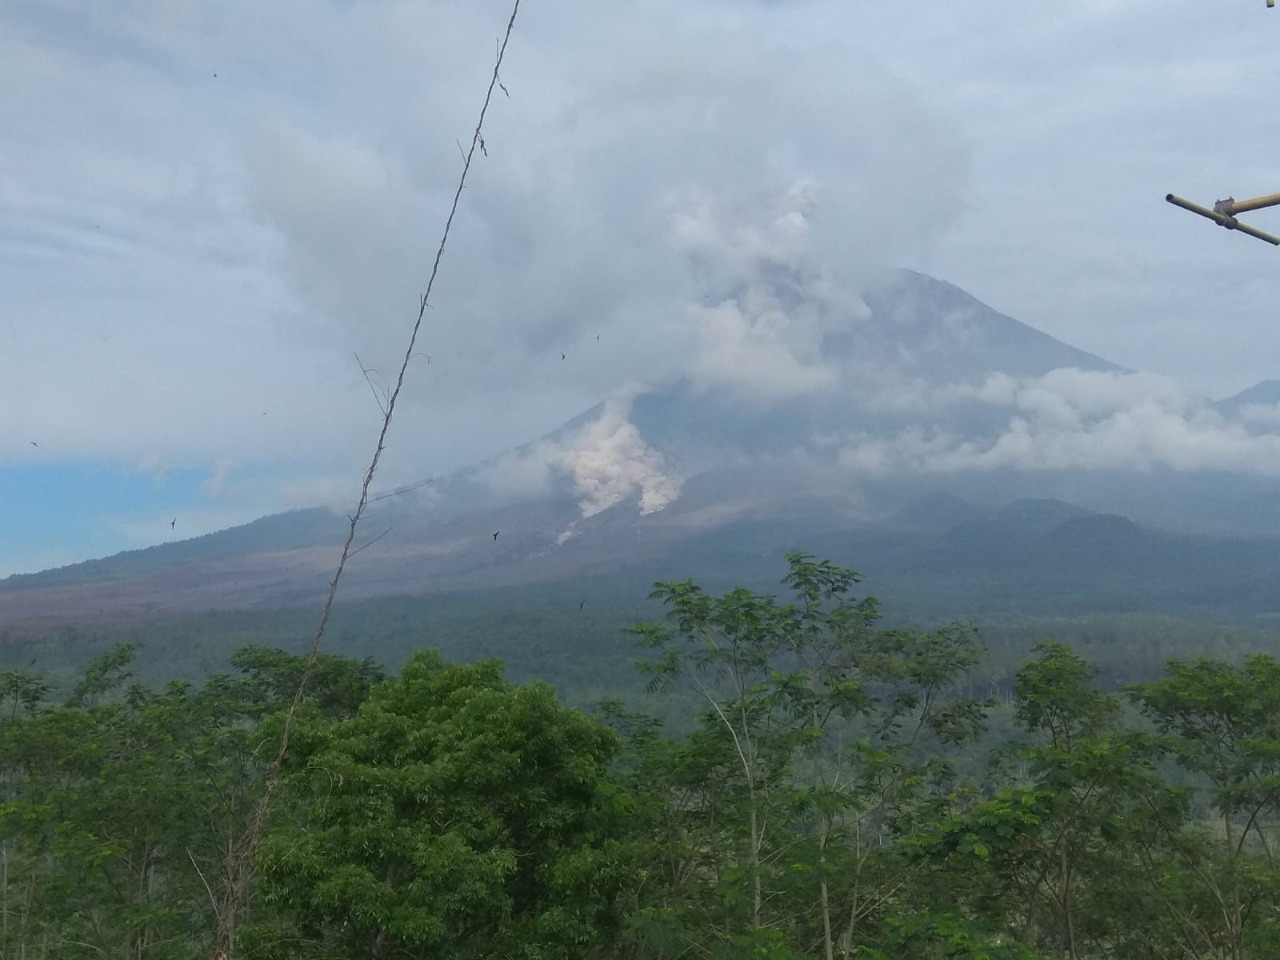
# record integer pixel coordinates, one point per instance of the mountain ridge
(685, 469)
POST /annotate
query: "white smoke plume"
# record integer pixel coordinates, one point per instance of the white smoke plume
(609, 462)
(606, 462)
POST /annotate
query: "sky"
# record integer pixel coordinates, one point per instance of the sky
(216, 220)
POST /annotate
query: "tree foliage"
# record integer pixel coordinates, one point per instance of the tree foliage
(452, 816)
(835, 791)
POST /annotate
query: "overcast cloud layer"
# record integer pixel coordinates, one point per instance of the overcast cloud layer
(207, 210)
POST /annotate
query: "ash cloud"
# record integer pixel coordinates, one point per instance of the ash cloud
(619, 192)
(763, 338)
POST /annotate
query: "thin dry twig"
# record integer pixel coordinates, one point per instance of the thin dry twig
(427, 357)
(200, 874)
(236, 893)
(378, 398)
(366, 546)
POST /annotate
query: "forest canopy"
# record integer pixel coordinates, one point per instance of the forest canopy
(831, 787)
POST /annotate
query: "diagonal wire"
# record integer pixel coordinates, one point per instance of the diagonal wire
(236, 886)
(406, 488)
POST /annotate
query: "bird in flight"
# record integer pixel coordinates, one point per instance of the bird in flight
(580, 604)
(173, 523)
(33, 443)
(495, 534)
(562, 356)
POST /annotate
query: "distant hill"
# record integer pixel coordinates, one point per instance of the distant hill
(935, 512)
(1265, 393)
(1039, 515)
(1030, 557)
(295, 529)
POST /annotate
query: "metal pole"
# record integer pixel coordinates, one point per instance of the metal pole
(1232, 207)
(1222, 220)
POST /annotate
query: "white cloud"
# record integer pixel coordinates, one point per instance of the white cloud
(215, 485)
(1262, 415)
(1073, 419)
(215, 248)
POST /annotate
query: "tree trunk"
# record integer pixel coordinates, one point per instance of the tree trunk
(757, 881)
(824, 895)
(1068, 910)
(827, 942)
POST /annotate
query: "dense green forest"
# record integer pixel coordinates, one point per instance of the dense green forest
(785, 777)
(539, 632)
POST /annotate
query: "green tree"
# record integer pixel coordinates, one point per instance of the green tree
(118, 805)
(1092, 851)
(809, 755)
(1222, 725)
(102, 822)
(453, 816)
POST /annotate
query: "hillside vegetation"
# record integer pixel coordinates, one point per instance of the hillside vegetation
(830, 782)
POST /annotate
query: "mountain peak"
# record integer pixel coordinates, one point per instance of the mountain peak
(915, 330)
(1041, 515)
(940, 332)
